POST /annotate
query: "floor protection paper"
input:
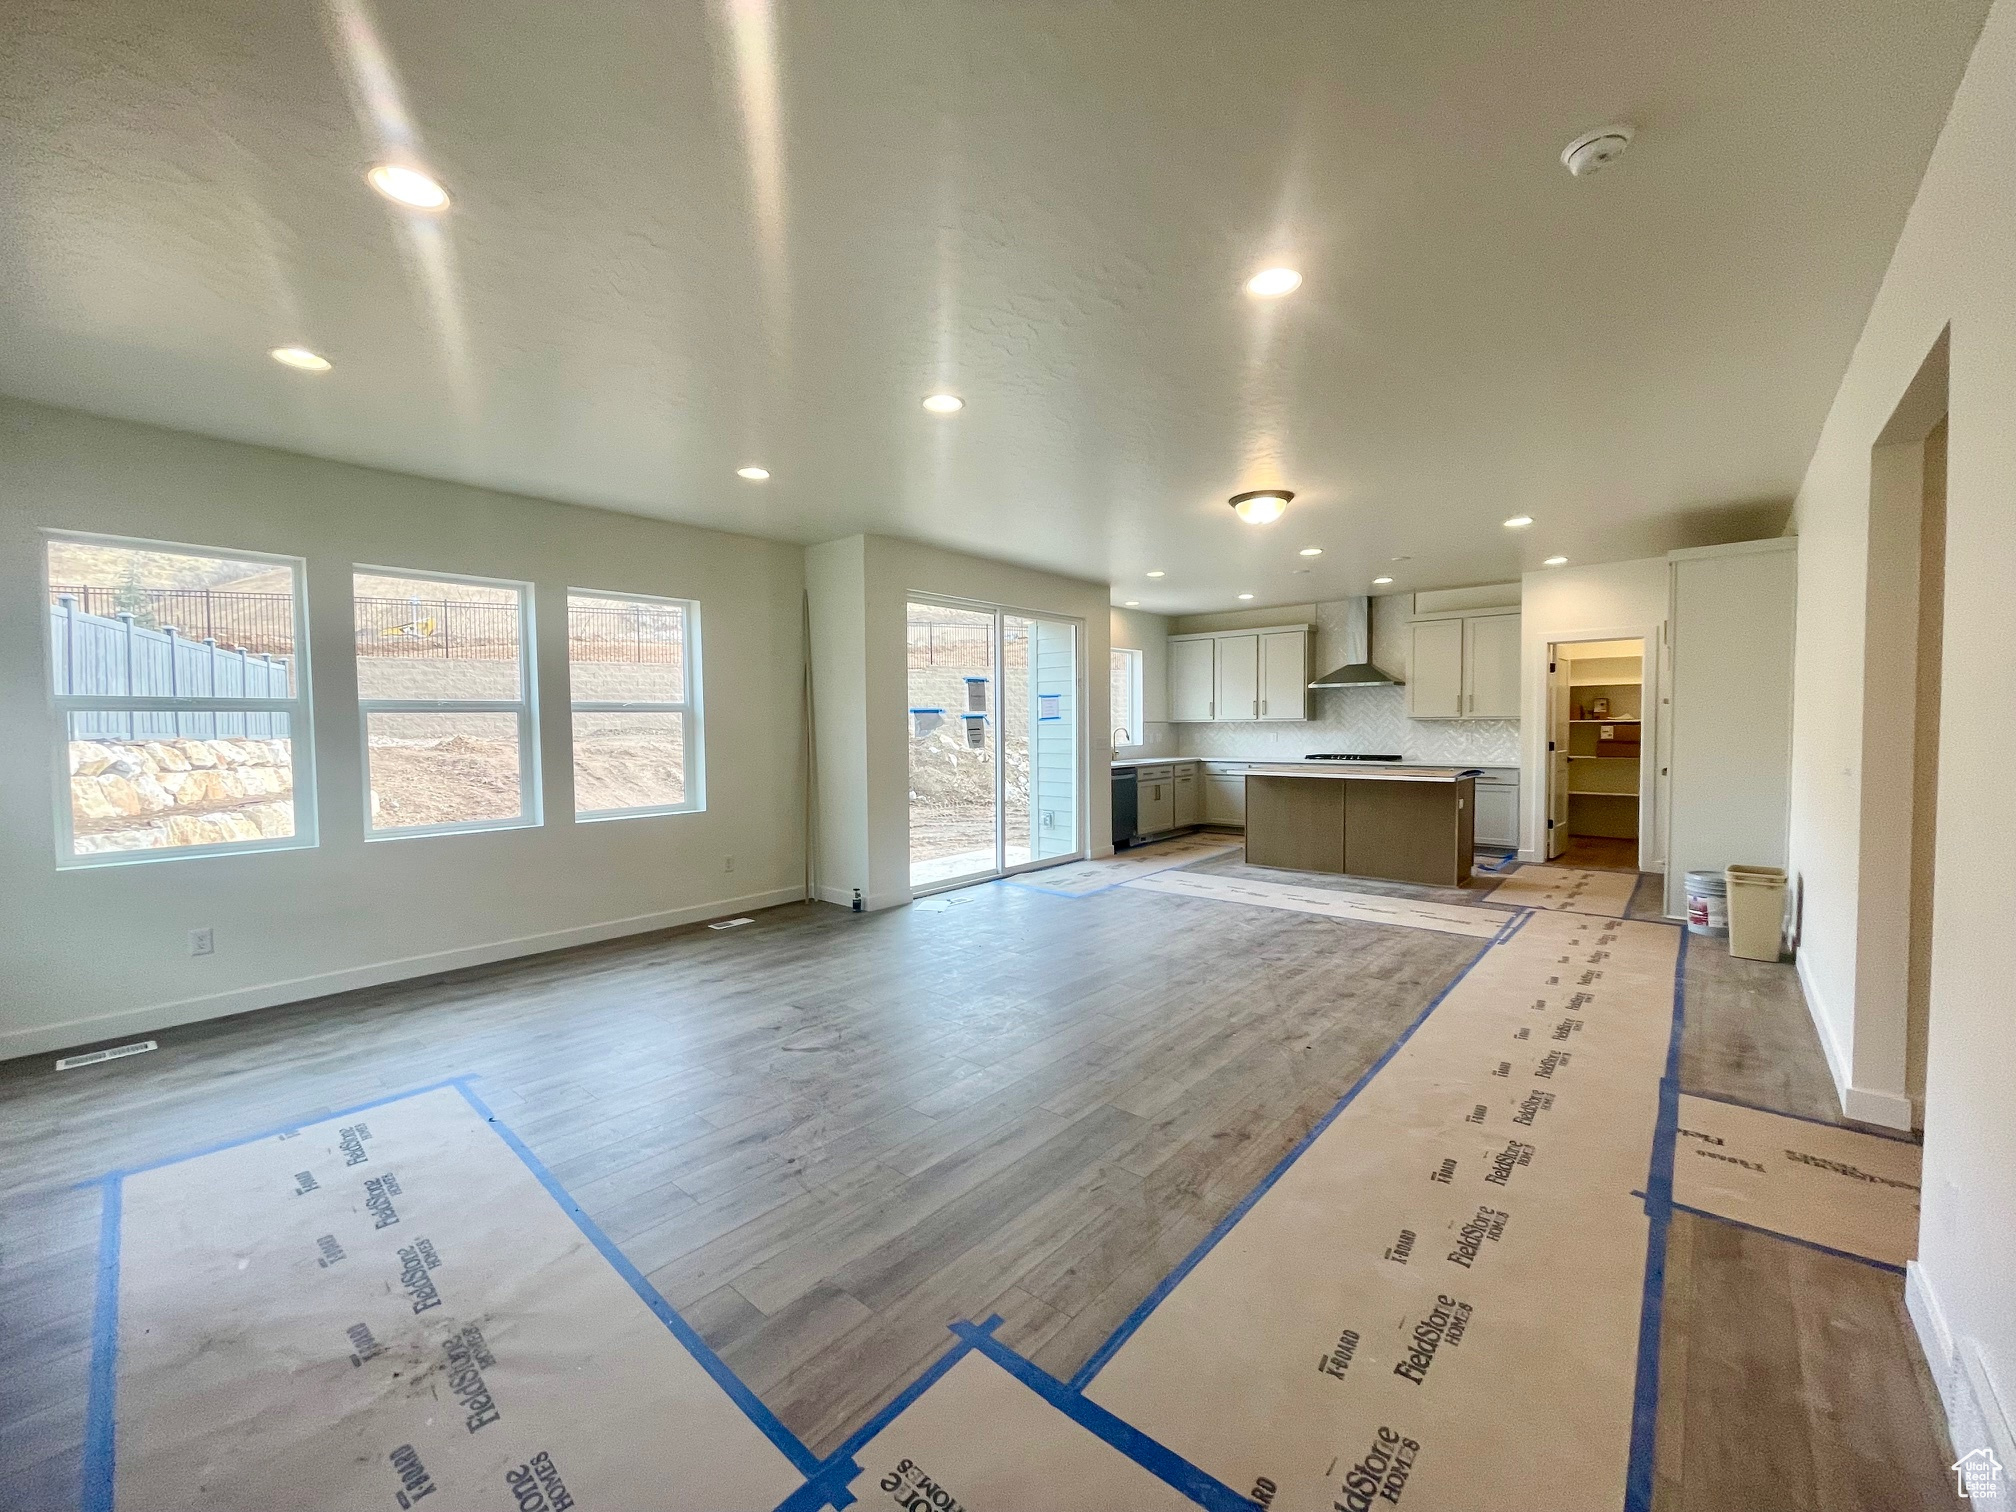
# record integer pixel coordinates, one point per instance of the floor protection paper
(363, 1312)
(1838, 1188)
(1076, 878)
(979, 1440)
(1436, 1306)
(1567, 889)
(1329, 903)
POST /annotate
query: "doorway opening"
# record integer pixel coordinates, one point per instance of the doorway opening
(1595, 753)
(994, 708)
(1902, 667)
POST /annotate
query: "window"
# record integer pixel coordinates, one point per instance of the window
(180, 687)
(1126, 697)
(635, 668)
(446, 696)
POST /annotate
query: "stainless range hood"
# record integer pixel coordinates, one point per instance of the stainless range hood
(1358, 670)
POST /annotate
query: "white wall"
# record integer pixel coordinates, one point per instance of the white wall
(88, 954)
(1952, 267)
(865, 824)
(1610, 601)
(1147, 633)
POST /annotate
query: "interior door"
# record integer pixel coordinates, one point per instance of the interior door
(1238, 677)
(1559, 707)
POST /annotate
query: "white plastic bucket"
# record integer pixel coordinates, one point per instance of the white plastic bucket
(1707, 903)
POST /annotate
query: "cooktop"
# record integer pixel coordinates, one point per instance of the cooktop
(1349, 756)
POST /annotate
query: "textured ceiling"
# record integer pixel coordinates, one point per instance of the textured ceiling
(692, 237)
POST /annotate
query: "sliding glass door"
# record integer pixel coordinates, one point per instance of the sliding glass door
(995, 780)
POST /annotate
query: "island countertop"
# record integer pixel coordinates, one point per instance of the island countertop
(1335, 771)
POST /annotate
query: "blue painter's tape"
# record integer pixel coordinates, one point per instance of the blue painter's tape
(828, 1484)
(1825, 1123)
(772, 1427)
(1163, 1463)
(285, 1128)
(1153, 1300)
(1659, 1209)
(1825, 1249)
(100, 1436)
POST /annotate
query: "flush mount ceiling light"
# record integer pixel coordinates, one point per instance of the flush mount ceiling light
(1131, 604)
(1555, 562)
(753, 474)
(944, 404)
(1378, 580)
(1272, 283)
(1262, 506)
(300, 359)
(1245, 595)
(407, 186)
(1518, 522)
(1158, 572)
(1312, 551)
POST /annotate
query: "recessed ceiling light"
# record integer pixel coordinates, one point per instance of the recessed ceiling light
(1272, 283)
(1131, 604)
(1555, 562)
(1378, 580)
(1312, 551)
(300, 358)
(1518, 522)
(753, 474)
(944, 404)
(407, 186)
(1158, 572)
(1400, 559)
(1245, 595)
(1261, 507)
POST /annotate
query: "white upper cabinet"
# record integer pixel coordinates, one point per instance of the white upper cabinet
(1239, 676)
(1227, 675)
(1435, 669)
(1192, 680)
(1491, 667)
(1464, 666)
(1284, 674)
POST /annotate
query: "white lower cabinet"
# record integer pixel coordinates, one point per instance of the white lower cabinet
(1497, 812)
(1189, 802)
(1225, 797)
(1155, 800)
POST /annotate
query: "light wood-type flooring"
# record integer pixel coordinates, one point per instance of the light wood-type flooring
(824, 1136)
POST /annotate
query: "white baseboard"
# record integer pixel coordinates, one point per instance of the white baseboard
(156, 1016)
(1976, 1416)
(1887, 1110)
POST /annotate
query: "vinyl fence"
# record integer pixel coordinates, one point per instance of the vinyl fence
(95, 654)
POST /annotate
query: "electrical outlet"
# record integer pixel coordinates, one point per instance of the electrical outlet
(202, 942)
(727, 863)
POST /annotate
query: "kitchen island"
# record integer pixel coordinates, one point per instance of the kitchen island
(1399, 823)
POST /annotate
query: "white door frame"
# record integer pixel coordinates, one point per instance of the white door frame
(1651, 751)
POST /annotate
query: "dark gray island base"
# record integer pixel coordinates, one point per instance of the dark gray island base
(1400, 824)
